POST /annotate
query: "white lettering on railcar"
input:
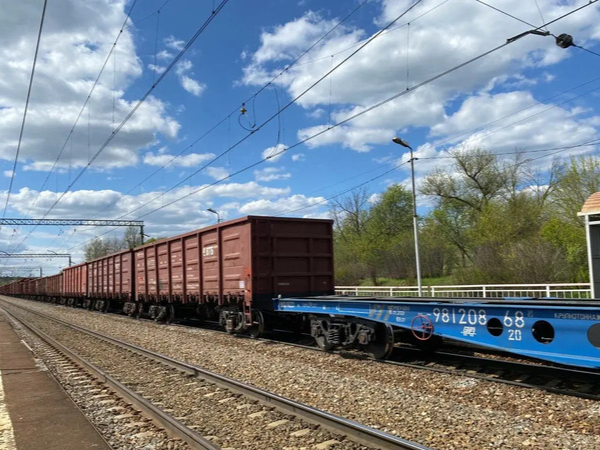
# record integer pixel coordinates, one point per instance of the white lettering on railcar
(576, 316)
(469, 331)
(460, 316)
(209, 250)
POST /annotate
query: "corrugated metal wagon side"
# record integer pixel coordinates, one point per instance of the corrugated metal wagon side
(110, 281)
(231, 271)
(54, 287)
(75, 285)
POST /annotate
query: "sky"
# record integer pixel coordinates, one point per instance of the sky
(157, 110)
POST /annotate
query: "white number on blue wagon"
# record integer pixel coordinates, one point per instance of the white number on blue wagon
(460, 316)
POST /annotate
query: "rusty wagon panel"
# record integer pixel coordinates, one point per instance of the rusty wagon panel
(54, 285)
(40, 286)
(75, 281)
(111, 276)
(251, 258)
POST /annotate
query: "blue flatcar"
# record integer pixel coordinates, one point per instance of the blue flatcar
(564, 332)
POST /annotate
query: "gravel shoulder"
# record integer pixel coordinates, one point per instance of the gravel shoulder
(438, 410)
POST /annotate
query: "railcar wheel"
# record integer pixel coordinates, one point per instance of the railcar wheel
(170, 314)
(383, 344)
(323, 343)
(257, 328)
(139, 310)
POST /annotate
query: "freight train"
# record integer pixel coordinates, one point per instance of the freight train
(256, 273)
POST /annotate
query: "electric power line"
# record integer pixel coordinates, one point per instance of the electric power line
(348, 119)
(87, 99)
(135, 108)
(276, 114)
(37, 48)
(234, 111)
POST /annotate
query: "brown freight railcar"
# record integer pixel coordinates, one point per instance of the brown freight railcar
(110, 280)
(75, 285)
(234, 269)
(39, 287)
(54, 285)
(29, 287)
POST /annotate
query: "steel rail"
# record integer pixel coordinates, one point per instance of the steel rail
(355, 431)
(171, 425)
(524, 370)
(552, 373)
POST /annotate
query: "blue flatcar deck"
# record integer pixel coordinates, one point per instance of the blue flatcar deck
(557, 330)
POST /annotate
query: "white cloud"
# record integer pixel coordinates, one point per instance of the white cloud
(439, 40)
(164, 54)
(192, 86)
(271, 174)
(218, 173)
(374, 198)
(273, 154)
(296, 157)
(536, 126)
(73, 49)
(316, 113)
(183, 66)
(8, 173)
(174, 43)
(156, 68)
(183, 70)
(190, 160)
(282, 205)
(178, 217)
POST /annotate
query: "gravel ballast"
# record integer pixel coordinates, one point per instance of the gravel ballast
(437, 410)
(228, 419)
(120, 424)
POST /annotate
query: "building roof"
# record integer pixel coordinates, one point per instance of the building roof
(591, 205)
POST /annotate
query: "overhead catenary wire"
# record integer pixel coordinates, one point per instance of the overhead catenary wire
(352, 117)
(141, 101)
(527, 23)
(328, 199)
(555, 150)
(278, 112)
(35, 57)
(249, 99)
(136, 107)
(85, 103)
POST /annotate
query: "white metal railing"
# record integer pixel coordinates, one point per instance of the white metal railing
(557, 290)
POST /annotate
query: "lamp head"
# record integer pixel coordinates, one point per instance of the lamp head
(401, 142)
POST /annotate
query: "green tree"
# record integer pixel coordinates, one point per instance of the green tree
(576, 181)
(132, 237)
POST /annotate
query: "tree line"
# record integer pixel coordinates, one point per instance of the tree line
(99, 247)
(491, 221)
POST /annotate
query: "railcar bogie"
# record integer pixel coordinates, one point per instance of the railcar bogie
(372, 338)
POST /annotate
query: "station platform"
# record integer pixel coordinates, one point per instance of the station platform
(35, 412)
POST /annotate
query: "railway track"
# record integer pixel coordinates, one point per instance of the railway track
(229, 398)
(558, 380)
(535, 375)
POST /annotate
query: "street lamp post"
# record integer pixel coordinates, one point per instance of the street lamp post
(403, 143)
(215, 212)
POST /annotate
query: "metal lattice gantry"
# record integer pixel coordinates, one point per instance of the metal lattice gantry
(5, 270)
(79, 222)
(4, 254)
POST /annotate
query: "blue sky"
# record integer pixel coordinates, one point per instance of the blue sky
(529, 95)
